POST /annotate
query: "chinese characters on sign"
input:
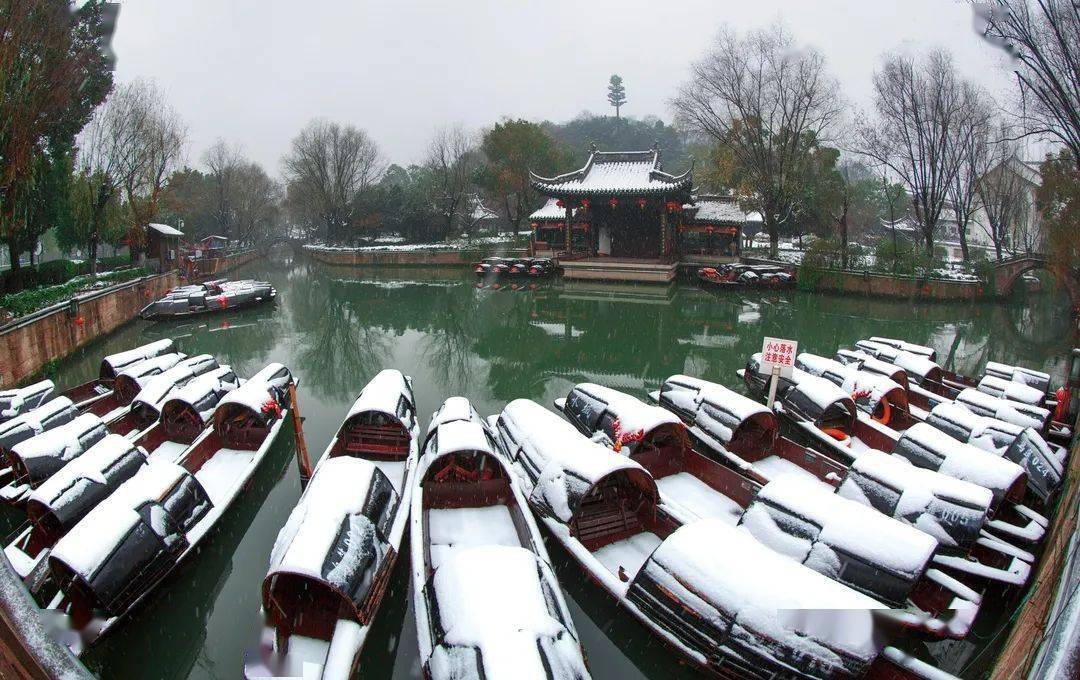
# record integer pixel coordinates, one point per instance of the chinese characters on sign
(778, 352)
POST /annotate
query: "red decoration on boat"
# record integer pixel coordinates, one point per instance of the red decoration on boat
(625, 438)
(1061, 411)
(271, 407)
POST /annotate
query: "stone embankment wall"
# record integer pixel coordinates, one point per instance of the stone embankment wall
(407, 258)
(215, 266)
(882, 285)
(27, 344)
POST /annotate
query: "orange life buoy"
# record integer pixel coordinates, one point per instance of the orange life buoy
(837, 434)
(886, 412)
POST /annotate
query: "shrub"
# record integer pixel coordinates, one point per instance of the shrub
(30, 300)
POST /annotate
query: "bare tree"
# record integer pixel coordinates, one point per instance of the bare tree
(223, 162)
(258, 197)
(452, 160)
(924, 111)
(973, 150)
(328, 166)
(1043, 38)
(767, 102)
(1002, 193)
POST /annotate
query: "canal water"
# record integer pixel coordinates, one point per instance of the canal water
(336, 327)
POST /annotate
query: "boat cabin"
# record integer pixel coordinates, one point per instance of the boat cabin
(189, 411)
(24, 399)
(52, 414)
(1018, 374)
(1013, 391)
(245, 415)
(381, 426)
(864, 362)
(910, 348)
(39, 458)
(1017, 413)
(146, 406)
(921, 370)
(881, 398)
(112, 365)
(130, 381)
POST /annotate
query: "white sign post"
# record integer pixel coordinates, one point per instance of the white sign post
(777, 359)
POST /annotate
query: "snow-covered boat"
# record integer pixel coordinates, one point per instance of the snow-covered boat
(52, 414)
(492, 267)
(800, 518)
(486, 599)
(129, 382)
(22, 400)
(150, 393)
(745, 435)
(724, 601)
(187, 414)
(541, 266)
(113, 559)
(739, 276)
(333, 559)
(208, 298)
(101, 387)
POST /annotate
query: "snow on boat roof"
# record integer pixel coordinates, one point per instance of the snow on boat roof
(33, 418)
(58, 439)
(910, 347)
(1004, 409)
(917, 485)
(91, 465)
(92, 540)
(738, 405)
(13, 401)
(633, 414)
(1019, 374)
(490, 598)
(851, 526)
(121, 360)
(162, 362)
(462, 435)
(1013, 391)
(766, 592)
(253, 393)
(161, 385)
(453, 409)
(338, 491)
(962, 460)
(912, 363)
(382, 394)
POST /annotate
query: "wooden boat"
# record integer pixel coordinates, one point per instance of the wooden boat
(745, 435)
(846, 438)
(491, 267)
(726, 603)
(1044, 463)
(85, 394)
(50, 415)
(78, 487)
(541, 266)
(211, 297)
(741, 276)
(144, 408)
(333, 559)
(113, 559)
(22, 400)
(486, 599)
(536, 267)
(800, 518)
(129, 382)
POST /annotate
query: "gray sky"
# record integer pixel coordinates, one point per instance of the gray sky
(254, 72)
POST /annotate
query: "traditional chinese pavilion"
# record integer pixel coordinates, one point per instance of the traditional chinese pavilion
(622, 202)
(711, 226)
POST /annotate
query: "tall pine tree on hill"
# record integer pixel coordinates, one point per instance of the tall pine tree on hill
(616, 93)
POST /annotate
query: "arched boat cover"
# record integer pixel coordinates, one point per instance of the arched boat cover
(52, 414)
(24, 399)
(750, 603)
(600, 409)
(261, 397)
(909, 347)
(199, 398)
(39, 458)
(951, 510)
(1013, 412)
(112, 365)
(385, 394)
(720, 417)
(131, 380)
(839, 538)
(132, 537)
(1022, 445)
(337, 535)
(66, 497)
(808, 397)
(863, 361)
(918, 367)
(929, 448)
(148, 402)
(1019, 374)
(453, 409)
(560, 465)
(866, 388)
(1013, 391)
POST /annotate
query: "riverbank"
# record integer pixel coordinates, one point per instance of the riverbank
(429, 257)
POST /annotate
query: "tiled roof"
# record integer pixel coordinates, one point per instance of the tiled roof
(166, 230)
(549, 212)
(716, 210)
(609, 173)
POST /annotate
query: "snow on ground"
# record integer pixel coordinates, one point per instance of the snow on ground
(456, 244)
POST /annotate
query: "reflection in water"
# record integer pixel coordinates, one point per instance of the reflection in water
(336, 327)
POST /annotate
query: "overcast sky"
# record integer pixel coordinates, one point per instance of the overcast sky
(254, 72)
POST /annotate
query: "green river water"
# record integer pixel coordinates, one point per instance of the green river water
(336, 327)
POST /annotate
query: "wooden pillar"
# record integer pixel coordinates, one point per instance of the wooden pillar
(303, 460)
(569, 235)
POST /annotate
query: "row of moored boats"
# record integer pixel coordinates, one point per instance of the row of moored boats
(879, 514)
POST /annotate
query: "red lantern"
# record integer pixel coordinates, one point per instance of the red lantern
(641, 203)
(79, 321)
(535, 225)
(560, 203)
(585, 203)
(614, 202)
(709, 229)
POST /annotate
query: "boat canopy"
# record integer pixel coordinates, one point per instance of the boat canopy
(1022, 445)
(130, 539)
(918, 367)
(764, 613)
(819, 401)
(720, 417)
(869, 390)
(1019, 374)
(621, 417)
(40, 457)
(863, 361)
(909, 347)
(1013, 391)
(1010, 411)
(148, 402)
(112, 365)
(929, 448)
(52, 414)
(561, 466)
(23, 399)
(383, 417)
(329, 555)
(66, 497)
(951, 510)
(189, 409)
(130, 381)
(839, 538)
(454, 408)
(253, 406)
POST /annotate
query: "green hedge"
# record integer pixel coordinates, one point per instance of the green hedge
(55, 272)
(26, 301)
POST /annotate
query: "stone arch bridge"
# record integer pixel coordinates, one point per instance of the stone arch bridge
(1008, 272)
